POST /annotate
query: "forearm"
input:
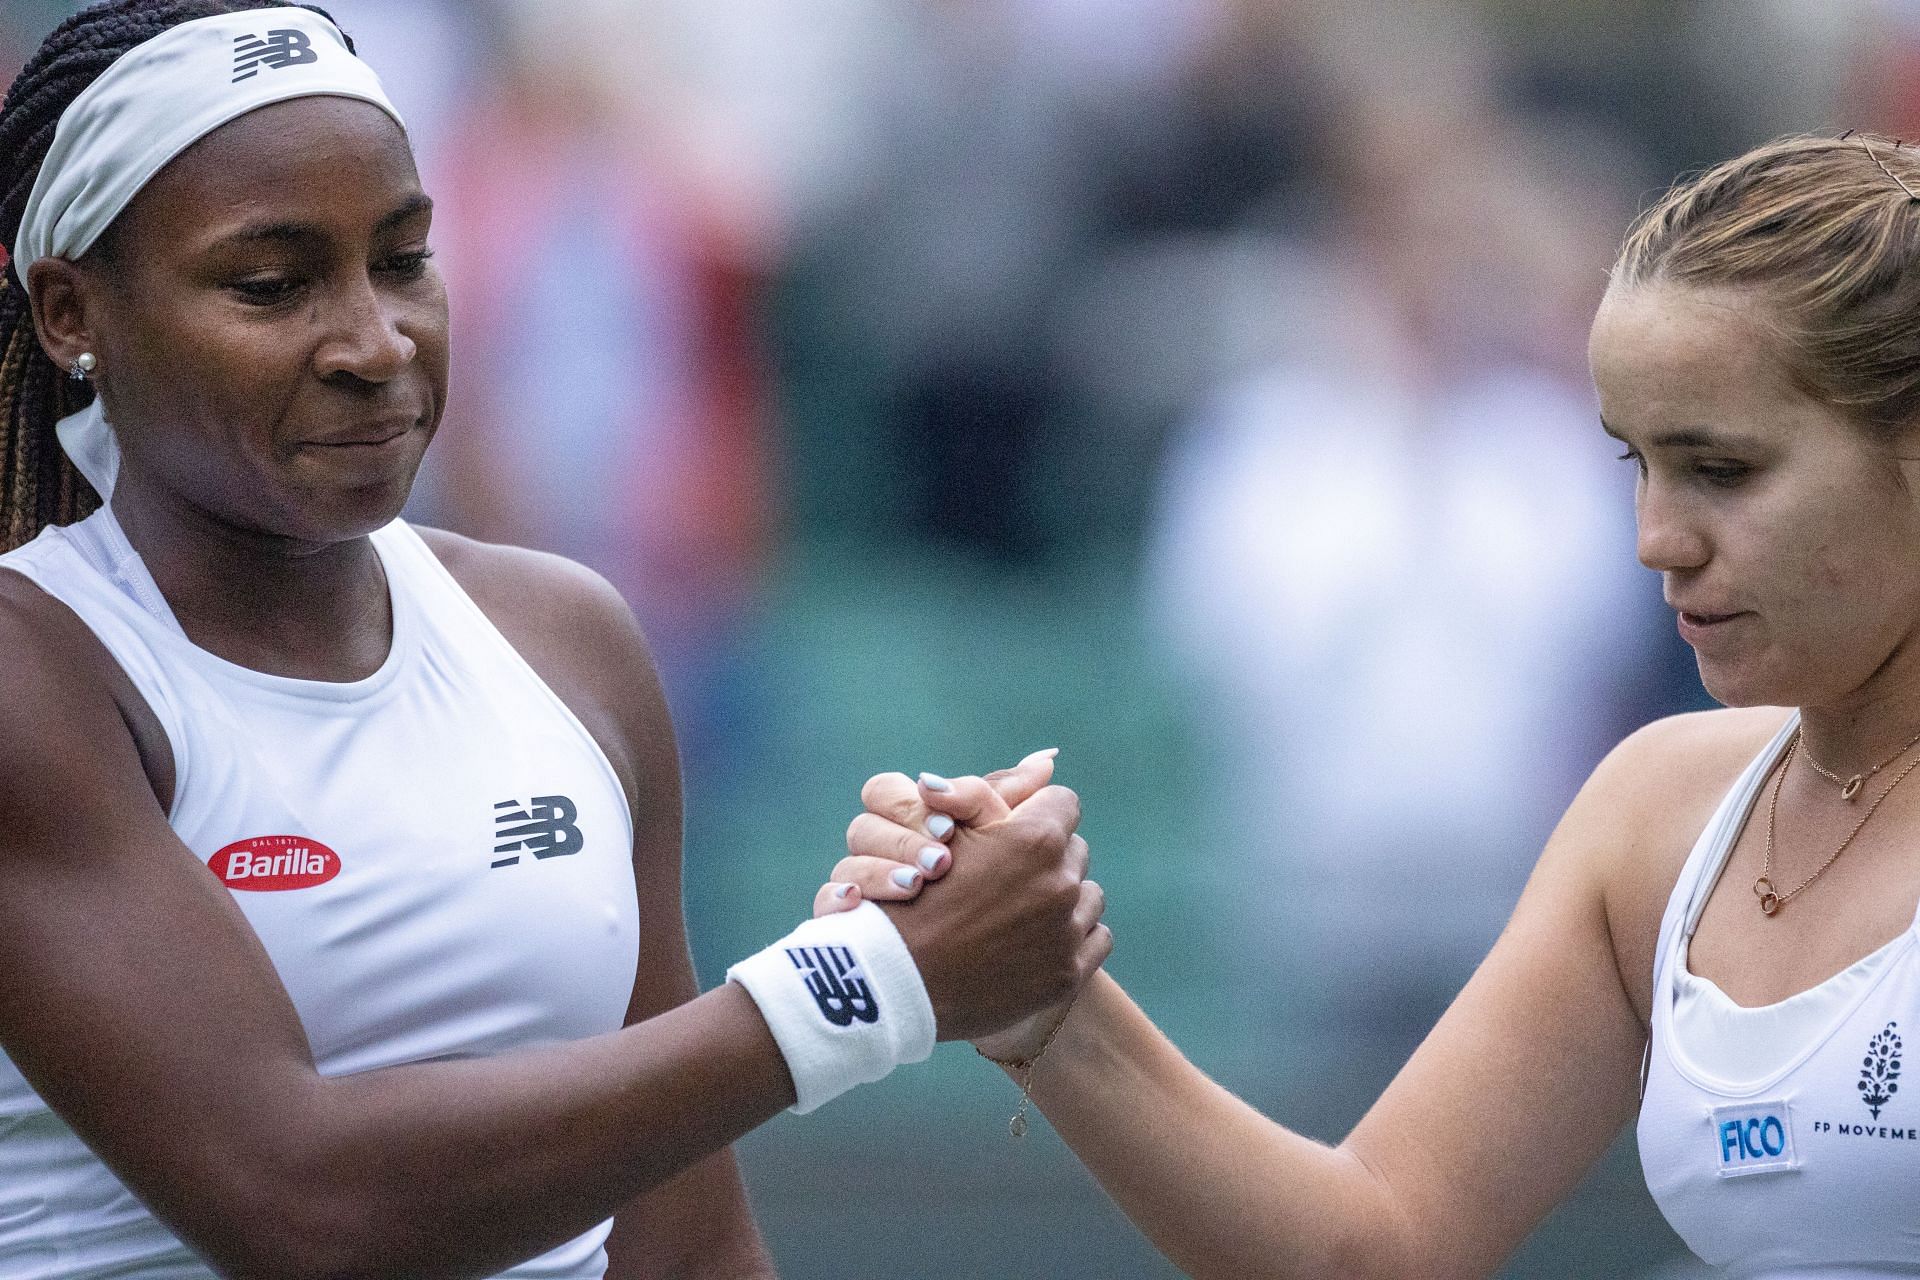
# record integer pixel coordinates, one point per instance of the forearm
(460, 1169)
(1220, 1189)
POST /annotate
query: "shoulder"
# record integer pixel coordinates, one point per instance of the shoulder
(1648, 800)
(579, 634)
(1674, 765)
(51, 654)
(508, 581)
(1639, 815)
(67, 703)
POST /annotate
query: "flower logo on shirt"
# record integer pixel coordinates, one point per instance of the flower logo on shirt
(1880, 1070)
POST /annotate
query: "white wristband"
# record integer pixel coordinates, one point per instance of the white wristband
(844, 1001)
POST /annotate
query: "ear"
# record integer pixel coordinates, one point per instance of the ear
(67, 309)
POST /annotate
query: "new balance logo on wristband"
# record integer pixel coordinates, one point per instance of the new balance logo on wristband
(544, 828)
(836, 983)
(278, 51)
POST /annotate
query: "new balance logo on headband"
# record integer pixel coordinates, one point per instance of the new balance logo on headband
(280, 50)
(836, 983)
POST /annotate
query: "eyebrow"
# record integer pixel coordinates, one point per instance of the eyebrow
(296, 232)
(1688, 438)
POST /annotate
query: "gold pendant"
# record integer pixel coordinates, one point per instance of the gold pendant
(1769, 899)
(1852, 788)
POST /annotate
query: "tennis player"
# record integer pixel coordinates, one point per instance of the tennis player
(340, 860)
(1720, 937)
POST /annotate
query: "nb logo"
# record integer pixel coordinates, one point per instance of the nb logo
(836, 983)
(544, 828)
(278, 51)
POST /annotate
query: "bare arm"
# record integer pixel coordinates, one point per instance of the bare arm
(145, 1012)
(1517, 1090)
(143, 1009)
(1520, 1087)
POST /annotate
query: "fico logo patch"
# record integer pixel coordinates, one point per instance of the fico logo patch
(1754, 1137)
(268, 863)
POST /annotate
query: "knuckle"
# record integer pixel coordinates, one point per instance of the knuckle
(1064, 897)
(866, 832)
(846, 871)
(1040, 837)
(888, 794)
(1062, 803)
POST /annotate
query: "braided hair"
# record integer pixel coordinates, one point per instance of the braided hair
(38, 485)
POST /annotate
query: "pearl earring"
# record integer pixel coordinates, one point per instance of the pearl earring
(83, 366)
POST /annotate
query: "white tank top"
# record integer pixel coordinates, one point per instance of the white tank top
(438, 858)
(1778, 1140)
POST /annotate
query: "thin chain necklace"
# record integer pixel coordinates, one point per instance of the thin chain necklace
(1850, 787)
(1771, 899)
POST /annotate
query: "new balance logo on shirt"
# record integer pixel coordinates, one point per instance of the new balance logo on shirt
(545, 828)
(277, 51)
(837, 984)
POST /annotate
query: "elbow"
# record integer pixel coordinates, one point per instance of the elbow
(278, 1218)
(1377, 1239)
(273, 1238)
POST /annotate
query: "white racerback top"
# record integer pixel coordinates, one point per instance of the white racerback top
(1778, 1140)
(438, 858)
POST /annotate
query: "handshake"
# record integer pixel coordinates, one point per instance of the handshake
(983, 883)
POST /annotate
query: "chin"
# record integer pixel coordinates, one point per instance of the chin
(328, 516)
(1738, 685)
(341, 508)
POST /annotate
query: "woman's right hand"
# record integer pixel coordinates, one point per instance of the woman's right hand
(1015, 931)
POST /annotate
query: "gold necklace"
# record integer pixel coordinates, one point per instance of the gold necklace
(1850, 787)
(1771, 899)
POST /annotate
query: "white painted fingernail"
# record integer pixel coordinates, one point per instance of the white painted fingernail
(939, 826)
(841, 891)
(934, 782)
(906, 877)
(931, 857)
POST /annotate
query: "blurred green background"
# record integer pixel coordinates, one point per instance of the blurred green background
(1196, 386)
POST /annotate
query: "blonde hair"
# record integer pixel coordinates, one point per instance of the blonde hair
(1828, 231)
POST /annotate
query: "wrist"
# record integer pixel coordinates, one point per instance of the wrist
(844, 1001)
(1021, 1066)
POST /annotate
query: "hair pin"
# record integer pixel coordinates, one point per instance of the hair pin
(1912, 195)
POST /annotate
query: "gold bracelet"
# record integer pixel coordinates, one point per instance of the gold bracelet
(1023, 1067)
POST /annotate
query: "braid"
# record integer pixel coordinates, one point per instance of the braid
(38, 485)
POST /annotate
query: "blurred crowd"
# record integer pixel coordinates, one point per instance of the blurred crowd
(1271, 310)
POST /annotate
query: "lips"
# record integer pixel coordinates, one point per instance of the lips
(370, 436)
(1699, 626)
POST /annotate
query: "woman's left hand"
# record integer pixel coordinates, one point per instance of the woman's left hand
(897, 847)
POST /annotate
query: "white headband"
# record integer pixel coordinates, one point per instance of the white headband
(163, 96)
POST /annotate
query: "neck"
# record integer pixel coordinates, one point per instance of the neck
(1863, 735)
(316, 611)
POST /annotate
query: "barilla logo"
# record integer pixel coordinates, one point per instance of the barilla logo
(268, 863)
(1755, 1138)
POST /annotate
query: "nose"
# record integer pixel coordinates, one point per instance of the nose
(366, 337)
(1667, 537)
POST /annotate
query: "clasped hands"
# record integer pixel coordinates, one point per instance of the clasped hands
(1013, 930)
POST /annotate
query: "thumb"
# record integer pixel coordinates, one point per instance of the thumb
(971, 802)
(1017, 784)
